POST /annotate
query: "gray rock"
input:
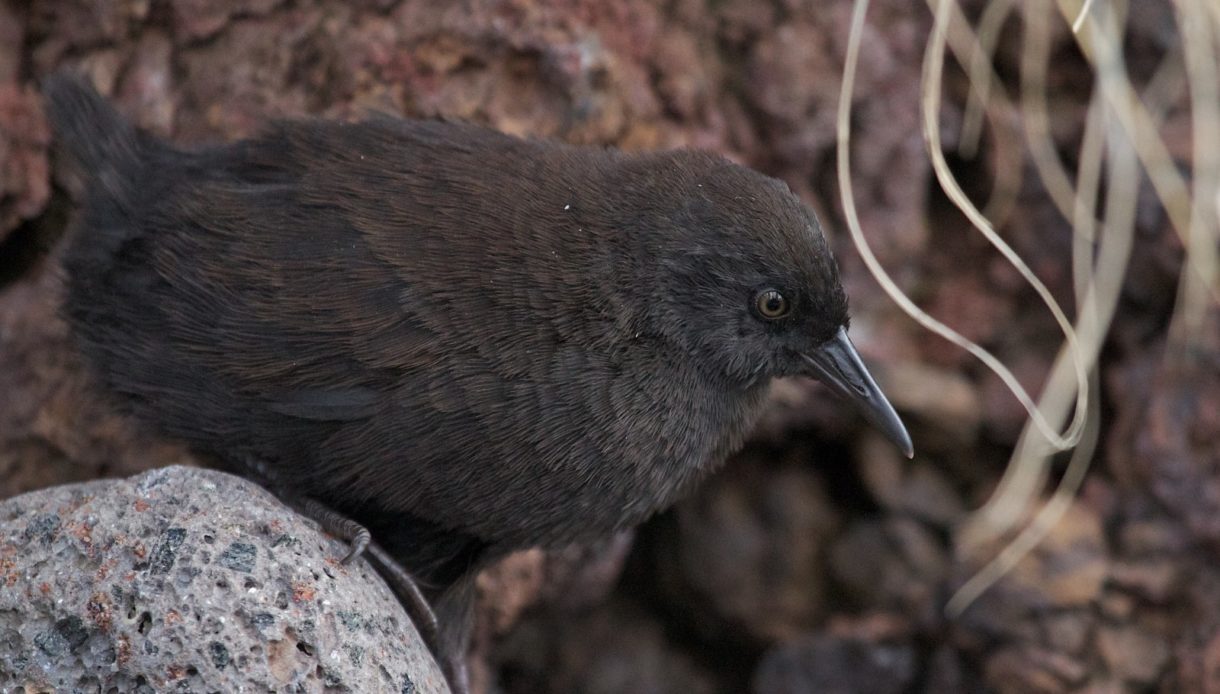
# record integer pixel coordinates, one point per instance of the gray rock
(182, 579)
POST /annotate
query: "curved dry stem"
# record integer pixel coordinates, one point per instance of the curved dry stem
(1097, 293)
(1121, 130)
(1199, 38)
(987, 97)
(982, 75)
(1084, 12)
(1028, 468)
(933, 68)
(883, 278)
(1043, 522)
(1167, 182)
(1034, 61)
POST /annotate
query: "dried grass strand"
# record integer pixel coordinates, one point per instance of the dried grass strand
(1059, 441)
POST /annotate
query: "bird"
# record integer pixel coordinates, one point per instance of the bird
(461, 341)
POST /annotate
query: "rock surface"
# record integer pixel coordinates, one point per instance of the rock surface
(191, 580)
(748, 549)
(55, 426)
(836, 665)
(608, 651)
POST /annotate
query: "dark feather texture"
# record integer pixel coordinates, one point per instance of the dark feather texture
(467, 341)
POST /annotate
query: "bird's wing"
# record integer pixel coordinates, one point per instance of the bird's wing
(282, 297)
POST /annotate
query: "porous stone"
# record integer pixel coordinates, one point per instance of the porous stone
(192, 580)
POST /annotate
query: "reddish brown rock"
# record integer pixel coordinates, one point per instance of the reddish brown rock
(560, 581)
(73, 26)
(582, 576)
(836, 665)
(1030, 668)
(1133, 654)
(12, 41)
(567, 579)
(25, 180)
(619, 648)
(911, 488)
(55, 426)
(147, 86)
(895, 564)
(199, 19)
(749, 545)
(1167, 437)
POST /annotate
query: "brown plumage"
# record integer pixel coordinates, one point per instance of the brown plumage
(468, 342)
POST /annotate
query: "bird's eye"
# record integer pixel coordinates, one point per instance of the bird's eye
(771, 304)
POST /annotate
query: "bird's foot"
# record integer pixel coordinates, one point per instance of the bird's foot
(355, 535)
(401, 583)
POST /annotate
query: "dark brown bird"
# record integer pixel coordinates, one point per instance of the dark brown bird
(466, 342)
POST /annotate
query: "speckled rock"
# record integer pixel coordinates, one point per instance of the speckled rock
(191, 580)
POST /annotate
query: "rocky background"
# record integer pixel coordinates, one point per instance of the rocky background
(818, 560)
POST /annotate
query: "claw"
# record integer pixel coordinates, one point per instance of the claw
(357, 544)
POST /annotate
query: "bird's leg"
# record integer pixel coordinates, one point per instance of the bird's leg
(448, 648)
(402, 584)
(359, 541)
(355, 535)
(450, 651)
(407, 590)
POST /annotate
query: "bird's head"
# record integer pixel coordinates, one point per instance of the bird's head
(745, 282)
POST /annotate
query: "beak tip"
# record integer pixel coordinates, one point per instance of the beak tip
(837, 365)
(902, 439)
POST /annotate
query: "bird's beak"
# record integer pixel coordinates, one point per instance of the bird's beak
(837, 364)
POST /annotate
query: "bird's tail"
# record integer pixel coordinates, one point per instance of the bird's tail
(111, 158)
(106, 147)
